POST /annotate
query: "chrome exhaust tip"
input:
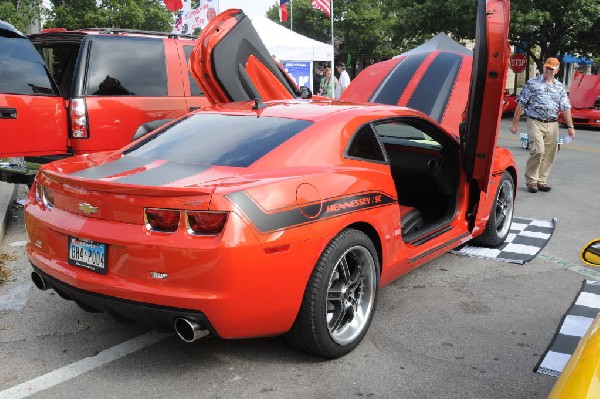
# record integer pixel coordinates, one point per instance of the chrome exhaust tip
(189, 330)
(39, 281)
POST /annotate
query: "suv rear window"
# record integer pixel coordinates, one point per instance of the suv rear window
(22, 70)
(213, 139)
(127, 66)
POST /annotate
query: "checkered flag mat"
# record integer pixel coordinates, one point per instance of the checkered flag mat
(525, 240)
(572, 328)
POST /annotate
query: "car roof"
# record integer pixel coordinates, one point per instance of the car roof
(309, 110)
(61, 32)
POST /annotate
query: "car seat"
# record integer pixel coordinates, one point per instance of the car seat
(411, 220)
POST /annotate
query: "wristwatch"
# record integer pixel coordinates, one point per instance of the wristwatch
(571, 127)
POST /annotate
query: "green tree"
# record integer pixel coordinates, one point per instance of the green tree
(365, 27)
(549, 27)
(307, 21)
(417, 21)
(20, 13)
(127, 14)
(556, 27)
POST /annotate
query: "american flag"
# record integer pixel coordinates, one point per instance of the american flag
(323, 5)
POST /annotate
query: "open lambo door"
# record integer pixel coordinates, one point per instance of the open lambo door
(33, 118)
(488, 79)
(231, 63)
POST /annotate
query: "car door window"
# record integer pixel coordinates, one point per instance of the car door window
(22, 70)
(400, 133)
(364, 145)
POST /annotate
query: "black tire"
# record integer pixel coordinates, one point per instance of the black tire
(501, 214)
(340, 297)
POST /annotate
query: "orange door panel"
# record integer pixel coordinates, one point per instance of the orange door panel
(32, 125)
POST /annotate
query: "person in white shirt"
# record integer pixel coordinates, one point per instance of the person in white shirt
(343, 81)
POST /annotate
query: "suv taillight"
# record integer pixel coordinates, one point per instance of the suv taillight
(79, 122)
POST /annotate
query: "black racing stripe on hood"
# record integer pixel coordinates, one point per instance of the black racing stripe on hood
(433, 92)
(121, 165)
(393, 85)
(166, 173)
(267, 222)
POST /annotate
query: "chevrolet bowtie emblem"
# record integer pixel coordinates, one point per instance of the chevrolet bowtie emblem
(87, 208)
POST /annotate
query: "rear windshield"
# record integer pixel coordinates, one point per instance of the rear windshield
(22, 71)
(213, 139)
(127, 66)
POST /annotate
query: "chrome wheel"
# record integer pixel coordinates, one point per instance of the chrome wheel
(504, 208)
(351, 294)
(340, 297)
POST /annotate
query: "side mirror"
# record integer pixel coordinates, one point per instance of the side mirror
(305, 92)
(591, 253)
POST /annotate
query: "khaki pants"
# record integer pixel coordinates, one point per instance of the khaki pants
(543, 145)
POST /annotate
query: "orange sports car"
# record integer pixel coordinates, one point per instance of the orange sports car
(266, 214)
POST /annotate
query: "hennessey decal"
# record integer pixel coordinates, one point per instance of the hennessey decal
(362, 202)
(268, 221)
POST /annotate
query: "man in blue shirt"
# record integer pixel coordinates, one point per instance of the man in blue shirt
(541, 99)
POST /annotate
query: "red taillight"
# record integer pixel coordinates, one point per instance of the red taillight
(205, 222)
(78, 115)
(166, 220)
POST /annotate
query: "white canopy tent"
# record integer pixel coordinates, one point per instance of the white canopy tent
(285, 44)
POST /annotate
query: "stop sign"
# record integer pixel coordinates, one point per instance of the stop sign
(518, 62)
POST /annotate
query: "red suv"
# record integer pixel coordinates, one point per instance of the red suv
(66, 93)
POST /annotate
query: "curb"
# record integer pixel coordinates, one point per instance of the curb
(7, 193)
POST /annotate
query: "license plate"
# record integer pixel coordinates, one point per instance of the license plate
(88, 254)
